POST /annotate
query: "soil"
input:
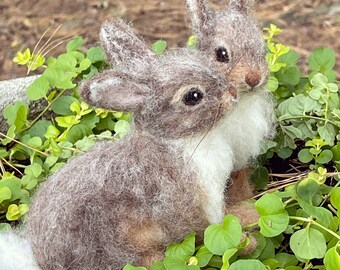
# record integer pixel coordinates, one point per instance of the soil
(307, 24)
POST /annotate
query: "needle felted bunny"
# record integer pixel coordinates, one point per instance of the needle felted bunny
(125, 201)
(231, 39)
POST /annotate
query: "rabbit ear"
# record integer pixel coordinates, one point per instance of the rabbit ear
(242, 6)
(199, 13)
(113, 90)
(123, 46)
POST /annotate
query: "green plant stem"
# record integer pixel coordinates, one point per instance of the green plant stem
(326, 103)
(12, 166)
(250, 226)
(332, 209)
(313, 222)
(2, 168)
(308, 266)
(18, 165)
(329, 194)
(74, 150)
(289, 201)
(44, 111)
(25, 145)
(281, 119)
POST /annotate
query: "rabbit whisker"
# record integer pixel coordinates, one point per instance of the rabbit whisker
(206, 133)
(240, 58)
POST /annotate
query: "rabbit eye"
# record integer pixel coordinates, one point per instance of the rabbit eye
(222, 55)
(193, 97)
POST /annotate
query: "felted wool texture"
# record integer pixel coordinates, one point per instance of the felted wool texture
(124, 49)
(212, 157)
(96, 212)
(248, 124)
(124, 202)
(235, 29)
(16, 252)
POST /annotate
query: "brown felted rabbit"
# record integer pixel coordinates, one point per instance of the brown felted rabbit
(231, 39)
(125, 201)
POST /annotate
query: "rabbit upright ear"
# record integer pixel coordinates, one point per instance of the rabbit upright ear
(199, 13)
(242, 6)
(123, 47)
(112, 90)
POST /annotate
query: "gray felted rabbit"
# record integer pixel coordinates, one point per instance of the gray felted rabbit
(125, 201)
(231, 39)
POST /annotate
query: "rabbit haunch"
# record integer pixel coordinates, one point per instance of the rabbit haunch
(126, 201)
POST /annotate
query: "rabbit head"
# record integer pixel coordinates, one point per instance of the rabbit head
(232, 39)
(173, 96)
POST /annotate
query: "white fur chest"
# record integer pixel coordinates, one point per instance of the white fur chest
(248, 124)
(213, 160)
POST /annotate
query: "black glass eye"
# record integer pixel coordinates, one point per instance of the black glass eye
(222, 55)
(193, 97)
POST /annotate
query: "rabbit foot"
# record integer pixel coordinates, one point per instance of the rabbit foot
(251, 245)
(245, 212)
(149, 259)
(247, 215)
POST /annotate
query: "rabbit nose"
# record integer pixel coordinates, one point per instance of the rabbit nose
(253, 78)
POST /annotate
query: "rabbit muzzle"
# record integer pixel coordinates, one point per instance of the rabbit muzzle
(246, 78)
(229, 97)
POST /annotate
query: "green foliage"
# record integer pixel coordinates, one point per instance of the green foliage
(307, 107)
(192, 42)
(33, 61)
(298, 227)
(274, 219)
(34, 148)
(159, 47)
(220, 237)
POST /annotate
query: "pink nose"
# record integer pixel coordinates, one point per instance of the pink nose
(253, 78)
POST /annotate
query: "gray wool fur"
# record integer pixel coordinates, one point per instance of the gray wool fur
(235, 29)
(124, 202)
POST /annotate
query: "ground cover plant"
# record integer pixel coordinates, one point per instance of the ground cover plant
(299, 221)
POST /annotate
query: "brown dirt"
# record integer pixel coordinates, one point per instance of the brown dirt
(307, 24)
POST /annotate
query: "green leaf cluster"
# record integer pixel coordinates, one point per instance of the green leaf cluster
(222, 246)
(297, 229)
(31, 60)
(33, 148)
(307, 108)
